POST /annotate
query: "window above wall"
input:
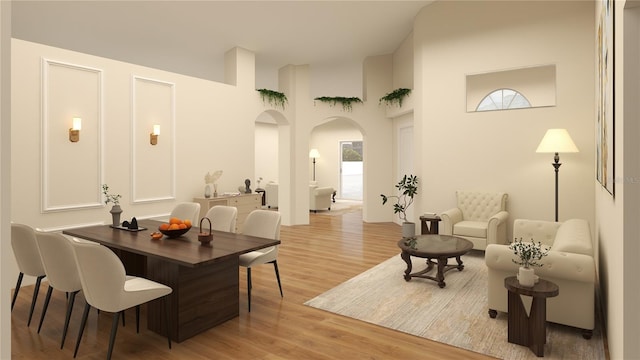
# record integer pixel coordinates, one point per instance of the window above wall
(503, 99)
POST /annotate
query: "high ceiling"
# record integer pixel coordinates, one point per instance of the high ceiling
(191, 37)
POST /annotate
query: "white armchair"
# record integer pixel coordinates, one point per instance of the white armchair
(320, 198)
(271, 195)
(479, 217)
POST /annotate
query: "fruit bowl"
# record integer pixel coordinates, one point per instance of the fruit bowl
(174, 233)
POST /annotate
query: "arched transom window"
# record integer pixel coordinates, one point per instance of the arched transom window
(503, 99)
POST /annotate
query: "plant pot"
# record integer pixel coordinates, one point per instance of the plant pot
(207, 191)
(526, 276)
(115, 215)
(408, 230)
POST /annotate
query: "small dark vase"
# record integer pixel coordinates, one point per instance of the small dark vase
(115, 215)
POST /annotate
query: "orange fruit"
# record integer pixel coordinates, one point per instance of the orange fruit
(182, 226)
(164, 226)
(175, 220)
(174, 227)
(188, 223)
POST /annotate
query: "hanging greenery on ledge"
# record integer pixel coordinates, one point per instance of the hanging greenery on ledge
(396, 96)
(345, 101)
(274, 98)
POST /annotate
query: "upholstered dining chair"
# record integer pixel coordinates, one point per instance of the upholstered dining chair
(107, 287)
(60, 267)
(223, 218)
(25, 249)
(186, 210)
(264, 224)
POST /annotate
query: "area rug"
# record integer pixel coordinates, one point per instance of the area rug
(454, 315)
(341, 207)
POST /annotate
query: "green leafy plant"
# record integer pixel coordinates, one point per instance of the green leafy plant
(346, 102)
(274, 98)
(408, 188)
(115, 199)
(529, 253)
(396, 96)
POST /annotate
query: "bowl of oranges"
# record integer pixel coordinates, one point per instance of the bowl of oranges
(175, 227)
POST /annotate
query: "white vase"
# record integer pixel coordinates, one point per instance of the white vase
(408, 230)
(526, 276)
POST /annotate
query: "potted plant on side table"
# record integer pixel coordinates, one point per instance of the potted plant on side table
(115, 209)
(529, 254)
(408, 188)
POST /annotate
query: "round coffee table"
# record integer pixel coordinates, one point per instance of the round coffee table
(434, 246)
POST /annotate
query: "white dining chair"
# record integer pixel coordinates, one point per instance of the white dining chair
(264, 224)
(223, 218)
(61, 270)
(25, 249)
(107, 287)
(187, 210)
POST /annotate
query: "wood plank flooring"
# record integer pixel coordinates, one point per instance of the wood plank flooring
(312, 259)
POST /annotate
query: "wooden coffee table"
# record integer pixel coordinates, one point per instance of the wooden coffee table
(434, 246)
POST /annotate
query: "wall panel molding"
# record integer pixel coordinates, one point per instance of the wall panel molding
(71, 173)
(153, 103)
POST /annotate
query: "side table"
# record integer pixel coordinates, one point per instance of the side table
(429, 224)
(530, 331)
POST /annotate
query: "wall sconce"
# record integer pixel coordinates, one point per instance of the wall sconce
(74, 131)
(153, 137)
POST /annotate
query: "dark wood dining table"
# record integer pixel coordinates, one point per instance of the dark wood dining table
(204, 278)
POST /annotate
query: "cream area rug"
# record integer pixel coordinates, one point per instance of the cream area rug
(454, 315)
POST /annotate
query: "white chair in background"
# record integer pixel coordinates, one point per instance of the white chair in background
(62, 273)
(186, 210)
(223, 218)
(271, 195)
(25, 249)
(107, 287)
(264, 224)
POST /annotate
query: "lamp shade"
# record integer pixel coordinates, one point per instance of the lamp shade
(314, 154)
(557, 141)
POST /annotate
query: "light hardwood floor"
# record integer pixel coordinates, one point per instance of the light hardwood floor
(312, 259)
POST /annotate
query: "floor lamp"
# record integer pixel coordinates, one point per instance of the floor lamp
(314, 154)
(557, 141)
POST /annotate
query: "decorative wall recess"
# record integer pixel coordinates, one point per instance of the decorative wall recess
(273, 98)
(347, 102)
(395, 97)
(535, 84)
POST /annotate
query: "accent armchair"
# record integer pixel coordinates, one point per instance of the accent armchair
(479, 217)
(271, 194)
(320, 198)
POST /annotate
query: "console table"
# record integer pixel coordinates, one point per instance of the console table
(529, 330)
(245, 203)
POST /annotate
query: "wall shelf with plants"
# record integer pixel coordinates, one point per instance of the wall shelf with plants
(273, 98)
(346, 102)
(395, 97)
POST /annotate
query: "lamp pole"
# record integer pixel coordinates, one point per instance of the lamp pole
(556, 165)
(314, 169)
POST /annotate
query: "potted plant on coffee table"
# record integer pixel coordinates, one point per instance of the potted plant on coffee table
(407, 188)
(529, 254)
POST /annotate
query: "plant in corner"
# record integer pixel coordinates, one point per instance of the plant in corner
(407, 188)
(529, 254)
(115, 209)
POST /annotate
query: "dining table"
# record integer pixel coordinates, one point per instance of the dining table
(204, 277)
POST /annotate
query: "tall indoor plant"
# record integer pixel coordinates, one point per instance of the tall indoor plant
(407, 188)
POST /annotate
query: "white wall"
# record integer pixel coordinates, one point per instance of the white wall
(7, 263)
(495, 151)
(266, 153)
